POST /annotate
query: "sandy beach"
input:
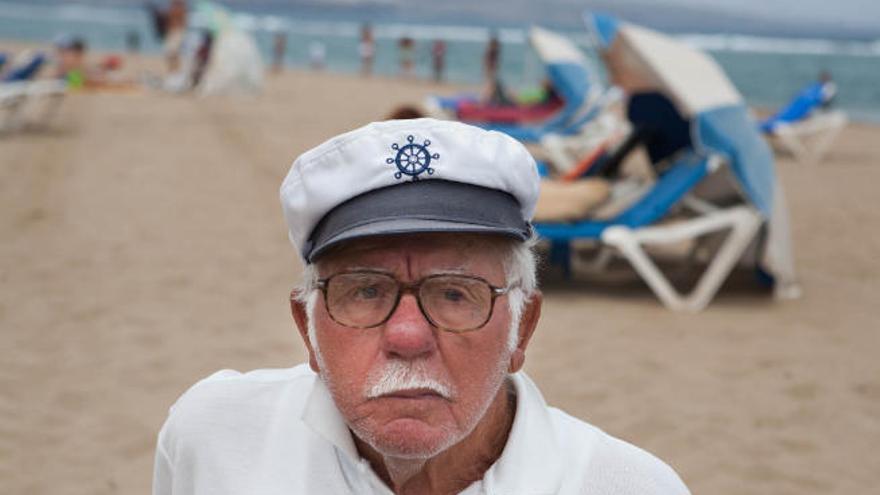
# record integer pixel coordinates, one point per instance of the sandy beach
(143, 248)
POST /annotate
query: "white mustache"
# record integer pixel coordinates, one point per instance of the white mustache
(399, 376)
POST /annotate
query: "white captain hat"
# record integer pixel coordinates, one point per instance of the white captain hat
(409, 176)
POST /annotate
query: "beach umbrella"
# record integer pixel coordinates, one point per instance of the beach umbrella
(235, 65)
(568, 70)
(642, 60)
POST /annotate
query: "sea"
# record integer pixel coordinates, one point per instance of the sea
(768, 71)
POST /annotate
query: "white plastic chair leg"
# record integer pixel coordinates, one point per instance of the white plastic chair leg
(743, 222)
(810, 140)
(832, 125)
(793, 144)
(597, 265)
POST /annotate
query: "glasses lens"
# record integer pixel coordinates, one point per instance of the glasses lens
(360, 299)
(455, 302)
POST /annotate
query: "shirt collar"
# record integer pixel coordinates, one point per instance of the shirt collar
(530, 462)
(321, 415)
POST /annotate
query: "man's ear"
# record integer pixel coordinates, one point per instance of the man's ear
(300, 316)
(527, 325)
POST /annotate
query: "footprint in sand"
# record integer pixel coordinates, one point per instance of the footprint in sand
(868, 390)
(803, 391)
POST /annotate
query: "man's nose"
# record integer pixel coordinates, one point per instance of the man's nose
(408, 334)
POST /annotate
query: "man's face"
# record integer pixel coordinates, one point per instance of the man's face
(433, 386)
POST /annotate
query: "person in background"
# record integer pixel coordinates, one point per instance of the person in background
(133, 42)
(71, 54)
(279, 46)
(491, 58)
(175, 29)
(404, 112)
(438, 59)
(407, 48)
(169, 25)
(829, 89)
(317, 55)
(817, 96)
(73, 67)
(367, 50)
(203, 57)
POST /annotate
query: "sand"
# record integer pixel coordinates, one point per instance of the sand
(143, 248)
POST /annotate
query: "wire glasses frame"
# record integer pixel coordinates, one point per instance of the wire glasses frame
(415, 289)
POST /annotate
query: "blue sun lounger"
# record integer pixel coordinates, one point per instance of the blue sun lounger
(26, 71)
(721, 179)
(17, 86)
(804, 127)
(808, 100)
(720, 143)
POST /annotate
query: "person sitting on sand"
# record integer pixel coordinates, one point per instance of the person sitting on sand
(73, 68)
(71, 64)
(545, 94)
(414, 380)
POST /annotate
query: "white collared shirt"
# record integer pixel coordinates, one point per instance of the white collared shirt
(278, 432)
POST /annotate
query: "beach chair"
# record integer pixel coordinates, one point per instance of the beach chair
(13, 90)
(575, 80)
(567, 70)
(804, 127)
(573, 154)
(586, 125)
(638, 226)
(572, 77)
(26, 70)
(720, 179)
(18, 89)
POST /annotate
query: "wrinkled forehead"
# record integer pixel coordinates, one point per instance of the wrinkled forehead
(425, 252)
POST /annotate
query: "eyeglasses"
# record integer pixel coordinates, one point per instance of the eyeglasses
(365, 299)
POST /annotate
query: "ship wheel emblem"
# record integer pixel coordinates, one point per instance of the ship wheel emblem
(412, 158)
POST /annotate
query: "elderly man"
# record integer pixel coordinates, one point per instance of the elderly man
(417, 306)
